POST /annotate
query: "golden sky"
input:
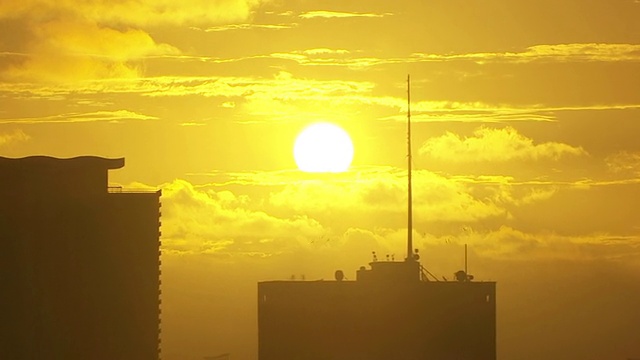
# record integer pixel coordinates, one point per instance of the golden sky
(526, 116)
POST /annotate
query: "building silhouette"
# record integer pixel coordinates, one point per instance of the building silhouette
(79, 264)
(389, 312)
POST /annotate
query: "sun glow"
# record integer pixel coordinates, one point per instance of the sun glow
(323, 147)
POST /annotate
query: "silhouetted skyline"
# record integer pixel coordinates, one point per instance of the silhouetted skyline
(524, 147)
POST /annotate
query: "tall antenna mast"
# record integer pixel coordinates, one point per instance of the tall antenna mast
(410, 256)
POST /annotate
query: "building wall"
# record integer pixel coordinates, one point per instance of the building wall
(368, 320)
(80, 266)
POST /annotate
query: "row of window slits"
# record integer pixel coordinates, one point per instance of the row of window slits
(159, 282)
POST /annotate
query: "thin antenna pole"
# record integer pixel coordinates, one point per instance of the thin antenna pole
(410, 197)
(465, 260)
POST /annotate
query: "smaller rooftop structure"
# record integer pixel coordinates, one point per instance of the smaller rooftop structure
(37, 174)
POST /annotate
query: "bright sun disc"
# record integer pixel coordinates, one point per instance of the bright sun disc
(323, 147)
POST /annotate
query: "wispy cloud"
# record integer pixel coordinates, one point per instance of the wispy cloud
(282, 85)
(133, 12)
(539, 53)
(231, 27)
(13, 137)
(579, 52)
(624, 162)
(228, 105)
(339, 14)
(509, 242)
(564, 53)
(109, 116)
(324, 51)
(286, 94)
(479, 112)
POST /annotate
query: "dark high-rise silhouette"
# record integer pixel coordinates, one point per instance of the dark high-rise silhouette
(79, 264)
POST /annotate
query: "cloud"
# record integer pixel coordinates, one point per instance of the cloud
(282, 85)
(68, 51)
(285, 97)
(494, 145)
(376, 197)
(223, 223)
(576, 52)
(69, 41)
(228, 105)
(540, 53)
(379, 196)
(111, 116)
(324, 51)
(133, 12)
(339, 59)
(456, 111)
(53, 48)
(624, 162)
(585, 52)
(510, 243)
(231, 27)
(563, 53)
(275, 215)
(338, 14)
(480, 112)
(13, 137)
(254, 97)
(230, 225)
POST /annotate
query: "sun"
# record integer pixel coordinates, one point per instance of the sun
(323, 147)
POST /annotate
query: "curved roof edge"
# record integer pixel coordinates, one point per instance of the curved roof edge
(87, 160)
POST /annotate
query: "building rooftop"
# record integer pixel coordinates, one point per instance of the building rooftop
(42, 161)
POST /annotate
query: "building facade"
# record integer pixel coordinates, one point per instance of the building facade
(387, 313)
(80, 262)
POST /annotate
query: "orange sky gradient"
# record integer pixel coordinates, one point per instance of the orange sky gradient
(525, 115)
